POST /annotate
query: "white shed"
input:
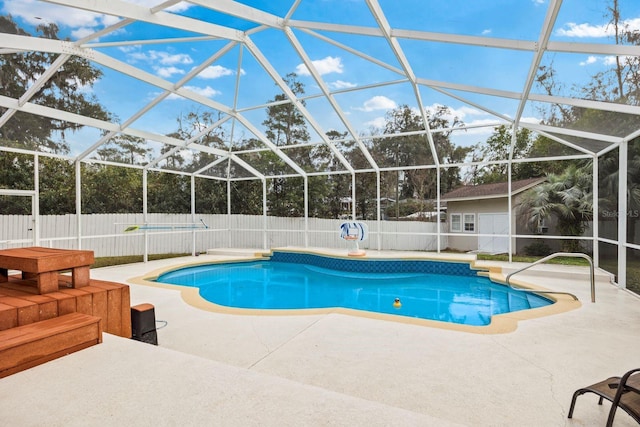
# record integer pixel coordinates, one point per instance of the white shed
(478, 215)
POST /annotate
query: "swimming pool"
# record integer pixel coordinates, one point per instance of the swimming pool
(432, 290)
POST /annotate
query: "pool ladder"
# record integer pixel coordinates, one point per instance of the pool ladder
(547, 258)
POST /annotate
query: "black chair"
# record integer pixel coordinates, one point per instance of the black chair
(623, 393)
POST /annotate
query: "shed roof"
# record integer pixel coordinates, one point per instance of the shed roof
(490, 191)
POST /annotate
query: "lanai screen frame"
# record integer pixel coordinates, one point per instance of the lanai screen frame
(130, 13)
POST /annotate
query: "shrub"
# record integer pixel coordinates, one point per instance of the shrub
(537, 248)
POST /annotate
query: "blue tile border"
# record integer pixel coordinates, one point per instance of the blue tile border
(377, 265)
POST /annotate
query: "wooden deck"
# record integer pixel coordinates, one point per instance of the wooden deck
(44, 264)
(21, 304)
(37, 327)
(24, 347)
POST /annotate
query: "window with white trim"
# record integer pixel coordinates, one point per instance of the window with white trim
(456, 222)
(469, 223)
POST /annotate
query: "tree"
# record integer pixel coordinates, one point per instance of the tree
(62, 91)
(211, 196)
(246, 197)
(286, 125)
(567, 198)
(125, 149)
(366, 195)
(111, 189)
(57, 187)
(194, 124)
(618, 84)
(608, 187)
(66, 90)
(365, 183)
(17, 174)
(498, 147)
(339, 184)
(168, 193)
(403, 150)
(446, 150)
(411, 206)
(414, 149)
(622, 82)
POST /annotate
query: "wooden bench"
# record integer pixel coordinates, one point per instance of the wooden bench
(26, 346)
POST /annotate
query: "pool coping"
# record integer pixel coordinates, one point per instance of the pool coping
(500, 324)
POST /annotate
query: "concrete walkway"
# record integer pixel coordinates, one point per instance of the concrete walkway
(334, 369)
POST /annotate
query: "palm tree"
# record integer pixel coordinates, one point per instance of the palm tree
(633, 195)
(567, 197)
(609, 173)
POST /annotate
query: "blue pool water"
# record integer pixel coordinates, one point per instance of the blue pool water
(467, 299)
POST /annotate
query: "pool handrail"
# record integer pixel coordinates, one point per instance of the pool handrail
(547, 258)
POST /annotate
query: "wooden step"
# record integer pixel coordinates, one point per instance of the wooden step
(20, 304)
(26, 346)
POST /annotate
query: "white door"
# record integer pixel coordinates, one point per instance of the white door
(493, 223)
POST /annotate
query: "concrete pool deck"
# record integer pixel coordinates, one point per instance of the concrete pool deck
(335, 369)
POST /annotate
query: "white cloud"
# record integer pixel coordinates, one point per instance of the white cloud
(605, 60)
(181, 6)
(37, 12)
(571, 29)
(378, 122)
(377, 103)
(167, 72)
(129, 48)
(81, 23)
(216, 71)
(531, 119)
(590, 60)
(161, 57)
(103, 22)
(81, 33)
(632, 24)
(176, 58)
(163, 63)
(538, 2)
(583, 30)
(327, 65)
(463, 113)
(207, 91)
(487, 31)
(611, 60)
(340, 84)
(187, 156)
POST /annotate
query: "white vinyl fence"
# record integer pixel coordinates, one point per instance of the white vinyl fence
(179, 233)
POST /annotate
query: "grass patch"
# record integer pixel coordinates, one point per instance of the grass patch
(633, 275)
(130, 259)
(530, 259)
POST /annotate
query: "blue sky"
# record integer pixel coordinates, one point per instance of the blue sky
(581, 21)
